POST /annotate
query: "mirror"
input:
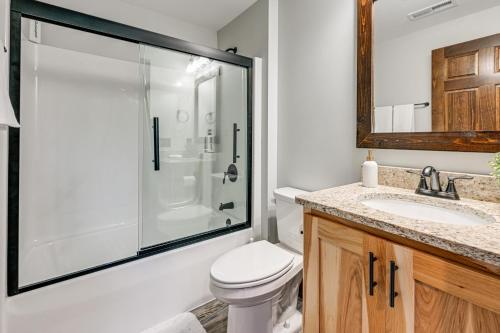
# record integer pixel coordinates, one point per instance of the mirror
(206, 109)
(436, 66)
(434, 74)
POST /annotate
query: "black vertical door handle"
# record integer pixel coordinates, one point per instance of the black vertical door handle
(235, 142)
(372, 283)
(156, 143)
(392, 283)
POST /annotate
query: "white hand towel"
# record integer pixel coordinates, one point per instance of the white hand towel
(182, 323)
(404, 118)
(7, 116)
(383, 119)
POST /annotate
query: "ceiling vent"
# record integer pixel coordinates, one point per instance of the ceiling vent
(436, 8)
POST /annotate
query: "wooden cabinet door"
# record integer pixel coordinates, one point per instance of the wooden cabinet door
(466, 86)
(435, 295)
(400, 316)
(337, 276)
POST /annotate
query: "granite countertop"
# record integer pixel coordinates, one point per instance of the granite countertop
(479, 242)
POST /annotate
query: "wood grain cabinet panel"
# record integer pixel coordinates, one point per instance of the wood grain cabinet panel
(432, 294)
(400, 318)
(437, 311)
(341, 290)
(336, 280)
(435, 295)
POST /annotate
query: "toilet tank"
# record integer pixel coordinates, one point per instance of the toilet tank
(289, 216)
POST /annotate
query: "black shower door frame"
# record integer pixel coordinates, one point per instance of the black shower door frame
(71, 19)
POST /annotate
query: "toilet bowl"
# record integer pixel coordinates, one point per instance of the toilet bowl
(260, 280)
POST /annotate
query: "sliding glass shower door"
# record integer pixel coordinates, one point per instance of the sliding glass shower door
(195, 169)
(79, 151)
(124, 150)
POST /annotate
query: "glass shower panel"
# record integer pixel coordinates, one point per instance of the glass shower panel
(195, 170)
(79, 146)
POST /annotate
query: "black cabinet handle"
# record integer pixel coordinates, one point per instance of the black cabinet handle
(372, 283)
(156, 143)
(392, 283)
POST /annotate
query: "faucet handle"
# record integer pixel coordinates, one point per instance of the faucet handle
(453, 178)
(422, 185)
(451, 184)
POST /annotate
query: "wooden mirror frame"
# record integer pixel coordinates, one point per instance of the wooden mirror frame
(486, 141)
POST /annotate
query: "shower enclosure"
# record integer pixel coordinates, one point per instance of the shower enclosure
(131, 144)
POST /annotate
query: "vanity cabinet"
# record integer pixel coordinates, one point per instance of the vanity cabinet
(356, 281)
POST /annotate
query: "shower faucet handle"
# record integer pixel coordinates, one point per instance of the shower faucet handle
(231, 173)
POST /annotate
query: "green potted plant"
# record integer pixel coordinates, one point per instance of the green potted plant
(495, 165)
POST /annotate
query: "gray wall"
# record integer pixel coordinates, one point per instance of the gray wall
(317, 102)
(249, 32)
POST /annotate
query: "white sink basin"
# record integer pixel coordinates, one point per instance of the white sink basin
(420, 211)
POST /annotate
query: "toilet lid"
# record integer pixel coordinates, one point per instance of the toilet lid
(252, 262)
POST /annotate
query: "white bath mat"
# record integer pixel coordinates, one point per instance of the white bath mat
(183, 323)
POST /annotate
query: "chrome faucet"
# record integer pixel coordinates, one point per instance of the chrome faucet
(433, 175)
(435, 189)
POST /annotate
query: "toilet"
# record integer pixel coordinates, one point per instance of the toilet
(260, 281)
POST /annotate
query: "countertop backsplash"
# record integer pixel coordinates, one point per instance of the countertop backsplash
(482, 187)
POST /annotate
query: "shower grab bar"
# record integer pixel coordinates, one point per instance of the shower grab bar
(235, 142)
(156, 143)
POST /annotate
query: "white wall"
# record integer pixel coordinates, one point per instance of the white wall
(317, 102)
(403, 66)
(127, 298)
(4, 12)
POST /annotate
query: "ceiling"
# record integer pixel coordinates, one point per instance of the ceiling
(390, 16)
(211, 14)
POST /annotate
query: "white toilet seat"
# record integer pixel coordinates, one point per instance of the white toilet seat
(251, 265)
(252, 283)
(264, 291)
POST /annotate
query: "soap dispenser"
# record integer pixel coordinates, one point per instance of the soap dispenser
(369, 171)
